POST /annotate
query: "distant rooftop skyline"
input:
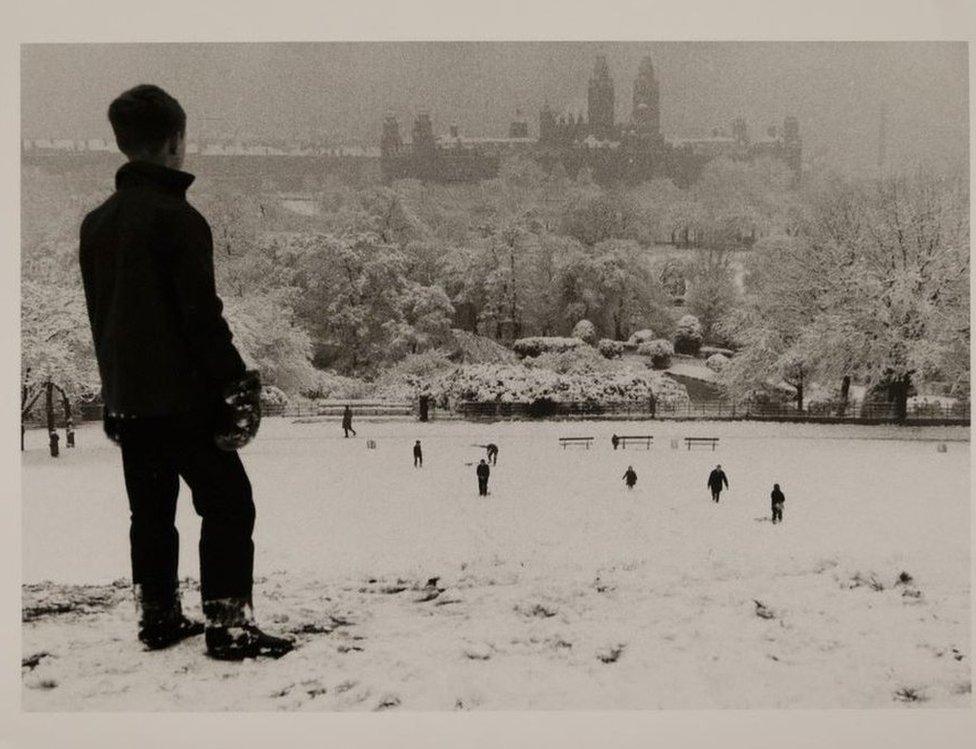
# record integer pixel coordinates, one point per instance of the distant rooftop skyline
(340, 92)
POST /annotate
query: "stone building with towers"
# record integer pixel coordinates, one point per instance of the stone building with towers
(632, 151)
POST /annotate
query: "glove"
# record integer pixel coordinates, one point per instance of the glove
(113, 428)
(239, 414)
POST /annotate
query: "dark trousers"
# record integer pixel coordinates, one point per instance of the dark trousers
(483, 487)
(156, 452)
(716, 493)
(777, 512)
(493, 457)
(418, 460)
(347, 430)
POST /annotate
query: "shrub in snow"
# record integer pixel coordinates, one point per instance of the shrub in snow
(273, 396)
(642, 336)
(520, 384)
(577, 360)
(716, 362)
(329, 385)
(688, 336)
(544, 344)
(610, 349)
(659, 352)
(586, 332)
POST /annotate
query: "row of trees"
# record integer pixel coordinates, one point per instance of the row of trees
(873, 287)
(836, 283)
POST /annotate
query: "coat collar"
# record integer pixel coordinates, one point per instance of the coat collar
(143, 173)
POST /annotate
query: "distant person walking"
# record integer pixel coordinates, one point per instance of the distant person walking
(492, 453)
(418, 455)
(483, 472)
(347, 422)
(630, 477)
(615, 440)
(777, 498)
(716, 481)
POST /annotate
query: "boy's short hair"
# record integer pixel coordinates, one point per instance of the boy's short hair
(144, 118)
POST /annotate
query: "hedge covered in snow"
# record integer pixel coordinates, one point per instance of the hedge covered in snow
(544, 344)
(586, 332)
(610, 349)
(519, 384)
(659, 352)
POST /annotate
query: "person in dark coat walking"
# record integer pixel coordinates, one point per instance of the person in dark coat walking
(630, 476)
(347, 422)
(174, 388)
(777, 498)
(483, 472)
(418, 455)
(716, 480)
(615, 441)
(492, 453)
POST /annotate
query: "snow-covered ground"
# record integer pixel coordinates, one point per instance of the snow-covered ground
(560, 590)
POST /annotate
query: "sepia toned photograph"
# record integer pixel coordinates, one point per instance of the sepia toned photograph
(477, 376)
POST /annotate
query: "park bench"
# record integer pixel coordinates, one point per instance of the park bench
(567, 441)
(701, 441)
(639, 439)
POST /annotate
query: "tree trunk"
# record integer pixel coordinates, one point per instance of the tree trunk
(53, 438)
(845, 392)
(799, 396)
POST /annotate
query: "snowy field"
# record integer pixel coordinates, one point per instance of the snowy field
(561, 590)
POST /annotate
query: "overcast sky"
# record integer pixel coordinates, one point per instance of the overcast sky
(341, 91)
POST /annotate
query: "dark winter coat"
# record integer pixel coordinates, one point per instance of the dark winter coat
(347, 419)
(483, 471)
(716, 479)
(777, 497)
(417, 453)
(630, 477)
(146, 255)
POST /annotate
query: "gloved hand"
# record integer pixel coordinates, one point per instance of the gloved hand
(113, 428)
(239, 415)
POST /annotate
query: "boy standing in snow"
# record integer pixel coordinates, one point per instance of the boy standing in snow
(778, 499)
(177, 397)
(630, 477)
(483, 472)
(716, 480)
(347, 422)
(418, 455)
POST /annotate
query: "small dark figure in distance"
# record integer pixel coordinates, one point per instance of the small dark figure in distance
(630, 477)
(492, 453)
(483, 472)
(777, 498)
(178, 399)
(615, 440)
(347, 422)
(716, 480)
(418, 455)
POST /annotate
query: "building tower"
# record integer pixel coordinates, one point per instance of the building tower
(792, 145)
(547, 125)
(647, 109)
(519, 128)
(740, 132)
(390, 142)
(600, 100)
(423, 134)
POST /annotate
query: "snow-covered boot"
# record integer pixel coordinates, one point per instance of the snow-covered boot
(161, 620)
(232, 634)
